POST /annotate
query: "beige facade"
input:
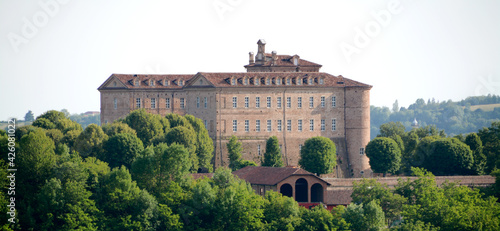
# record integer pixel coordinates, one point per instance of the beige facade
(276, 97)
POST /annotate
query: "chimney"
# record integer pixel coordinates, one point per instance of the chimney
(250, 58)
(274, 58)
(260, 58)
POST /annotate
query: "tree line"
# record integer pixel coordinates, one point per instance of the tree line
(396, 150)
(453, 117)
(133, 174)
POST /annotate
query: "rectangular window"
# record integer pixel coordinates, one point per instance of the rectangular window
(289, 125)
(257, 125)
(322, 125)
(205, 103)
(167, 103)
(269, 125)
(235, 102)
(311, 102)
(300, 147)
(268, 102)
(257, 102)
(299, 102)
(197, 102)
(115, 102)
(247, 125)
(138, 103)
(311, 125)
(235, 125)
(278, 102)
(322, 101)
(288, 102)
(182, 103)
(361, 151)
(287, 81)
(334, 124)
(279, 125)
(334, 101)
(205, 123)
(299, 125)
(258, 149)
(246, 102)
(153, 103)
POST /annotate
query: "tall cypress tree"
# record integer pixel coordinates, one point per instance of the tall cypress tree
(272, 157)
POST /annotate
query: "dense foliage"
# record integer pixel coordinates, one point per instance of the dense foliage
(64, 182)
(318, 155)
(430, 148)
(454, 117)
(272, 156)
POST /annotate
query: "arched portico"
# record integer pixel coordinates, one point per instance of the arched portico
(301, 190)
(286, 190)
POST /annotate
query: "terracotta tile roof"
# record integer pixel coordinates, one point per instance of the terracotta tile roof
(129, 81)
(223, 79)
(284, 60)
(338, 197)
(219, 79)
(197, 176)
(268, 175)
(484, 180)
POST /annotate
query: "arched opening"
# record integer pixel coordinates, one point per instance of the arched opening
(301, 190)
(286, 190)
(316, 193)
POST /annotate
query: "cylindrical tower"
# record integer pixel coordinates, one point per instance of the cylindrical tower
(357, 129)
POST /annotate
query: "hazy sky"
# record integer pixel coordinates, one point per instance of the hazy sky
(55, 54)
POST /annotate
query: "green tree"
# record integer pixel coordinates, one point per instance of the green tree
(117, 127)
(89, 142)
(317, 218)
(476, 146)
(365, 216)
(125, 206)
(29, 117)
(384, 154)
(318, 155)
(58, 120)
(121, 149)
(272, 156)
(280, 212)
(368, 190)
(186, 137)
(234, 152)
(145, 124)
(204, 144)
(449, 156)
(224, 203)
(65, 206)
(490, 137)
(156, 167)
(391, 129)
(177, 120)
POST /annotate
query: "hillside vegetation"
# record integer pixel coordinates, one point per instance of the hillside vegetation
(465, 116)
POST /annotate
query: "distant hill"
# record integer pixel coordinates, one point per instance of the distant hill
(465, 116)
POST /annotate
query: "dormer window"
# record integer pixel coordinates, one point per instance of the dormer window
(201, 81)
(114, 84)
(245, 81)
(321, 81)
(256, 81)
(165, 82)
(181, 82)
(299, 81)
(268, 81)
(310, 81)
(233, 81)
(278, 81)
(288, 81)
(151, 82)
(136, 82)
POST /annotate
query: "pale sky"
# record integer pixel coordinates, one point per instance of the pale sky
(54, 54)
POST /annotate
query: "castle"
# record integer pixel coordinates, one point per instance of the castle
(279, 95)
